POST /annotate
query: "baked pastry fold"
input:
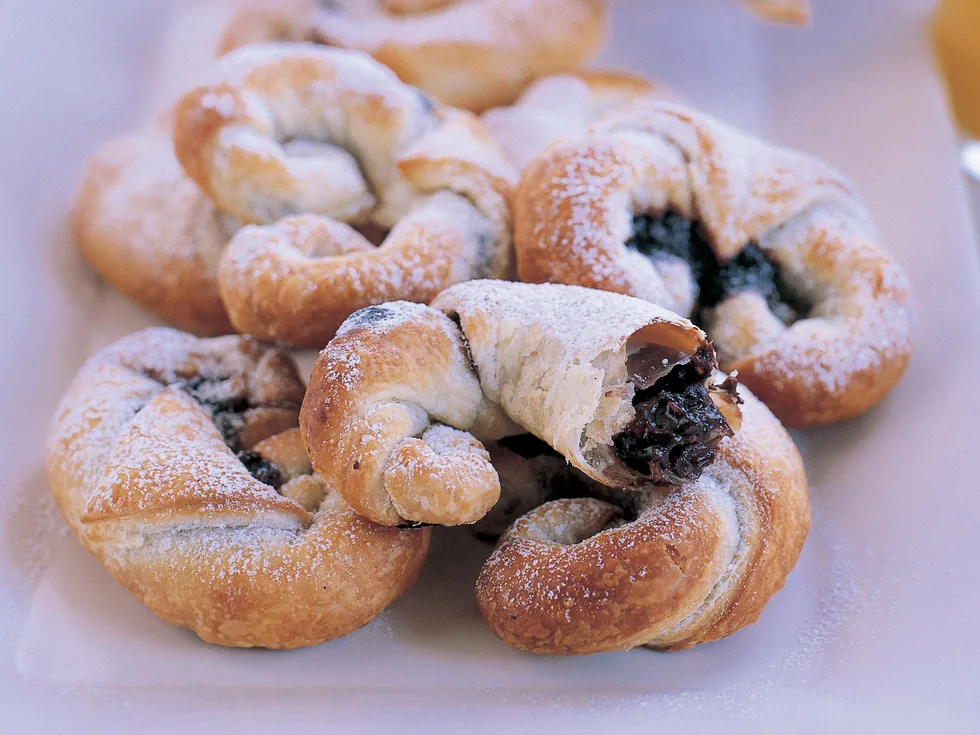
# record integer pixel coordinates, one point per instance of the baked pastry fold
(769, 249)
(668, 568)
(472, 54)
(402, 399)
(362, 189)
(177, 464)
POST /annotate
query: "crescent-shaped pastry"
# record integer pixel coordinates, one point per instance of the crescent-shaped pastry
(563, 106)
(333, 137)
(668, 568)
(401, 400)
(177, 464)
(150, 232)
(472, 54)
(769, 249)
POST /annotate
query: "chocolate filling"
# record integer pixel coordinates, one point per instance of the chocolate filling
(225, 404)
(226, 400)
(670, 235)
(372, 233)
(677, 427)
(261, 469)
(367, 316)
(466, 343)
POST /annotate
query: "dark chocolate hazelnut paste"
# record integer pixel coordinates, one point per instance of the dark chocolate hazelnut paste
(670, 235)
(677, 426)
(261, 469)
(226, 400)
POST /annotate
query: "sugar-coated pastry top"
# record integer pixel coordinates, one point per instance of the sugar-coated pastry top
(472, 54)
(177, 464)
(769, 249)
(355, 151)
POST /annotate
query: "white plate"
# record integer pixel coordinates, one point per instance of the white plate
(874, 629)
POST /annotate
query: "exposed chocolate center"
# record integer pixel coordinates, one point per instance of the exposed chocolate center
(677, 427)
(261, 469)
(225, 400)
(672, 235)
(466, 342)
(372, 233)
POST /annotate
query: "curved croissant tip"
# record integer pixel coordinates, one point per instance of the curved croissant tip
(723, 391)
(680, 335)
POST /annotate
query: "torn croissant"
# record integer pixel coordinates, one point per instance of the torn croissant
(403, 399)
(628, 392)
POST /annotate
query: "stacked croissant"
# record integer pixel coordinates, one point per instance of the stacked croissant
(576, 324)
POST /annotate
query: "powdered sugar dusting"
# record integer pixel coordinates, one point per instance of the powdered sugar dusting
(147, 228)
(559, 107)
(171, 457)
(802, 214)
(148, 483)
(508, 25)
(106, 401)
(349, 143)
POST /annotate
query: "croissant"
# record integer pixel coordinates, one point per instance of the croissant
(148, 230)
(402, 399)
(177, 464)
(472, 54)
(769, 249)
(361, 160)
(668, 568)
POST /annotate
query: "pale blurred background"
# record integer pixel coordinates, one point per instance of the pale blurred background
(956, 40)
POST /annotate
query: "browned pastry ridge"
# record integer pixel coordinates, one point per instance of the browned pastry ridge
(716, 508)
(177, 464)
(402, 399)
(664, 568)
(150, 232)
(324, 147)
(769, 249)
(472, 54)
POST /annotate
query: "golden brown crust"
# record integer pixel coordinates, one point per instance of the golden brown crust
(378, 414)
(376, 153)
(698, 563)
(545, 210)
(151, 488)
(148, 230)
(268, 21)
(401, 398)
(849, 346)
(555, 359)
(474, 55)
